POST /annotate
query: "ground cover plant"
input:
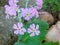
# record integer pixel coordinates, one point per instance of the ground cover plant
(29, 28)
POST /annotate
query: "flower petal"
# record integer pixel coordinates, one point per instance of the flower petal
(32, 34)
(37, 32)
(21, 32)
(29, 30)
(20, 25)
(27, 18)
(37, 27)
(23, 29)
(15, 26)
(16, 32)
(11, 2)
(33, 25)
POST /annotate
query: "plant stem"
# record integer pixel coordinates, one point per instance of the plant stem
(26, 38)
(18, 39)
(27, 3)
(19, 16)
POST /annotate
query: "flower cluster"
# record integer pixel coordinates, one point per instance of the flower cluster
(25, 13)
(28, 13)
(11, 9)
(32, 30)
(39, 4)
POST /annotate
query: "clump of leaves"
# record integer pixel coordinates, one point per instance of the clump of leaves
(36, 40)
(53, 5)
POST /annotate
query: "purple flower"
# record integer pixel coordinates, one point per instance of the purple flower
(34, 30)
(11, 10)
(19, 29)
(28, 13)
(36, 14)
(12, 2)
(39, 4)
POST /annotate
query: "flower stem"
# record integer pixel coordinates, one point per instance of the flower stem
(26, 38)
(18, 39)
(19, 16)
(27, 3)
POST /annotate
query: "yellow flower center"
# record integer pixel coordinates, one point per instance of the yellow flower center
(34, 30)
(19, 28)
(27, 14)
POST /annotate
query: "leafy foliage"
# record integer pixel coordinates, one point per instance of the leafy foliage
(36, 40)
(52, 4)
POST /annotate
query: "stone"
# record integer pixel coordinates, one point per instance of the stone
(54, 33)
(6, 31)
(59, 16)
(4, 39)
(46, 17)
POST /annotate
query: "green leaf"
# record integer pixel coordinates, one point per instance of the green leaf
(43, 24)
(34, 41)
(51, 43)
(19, 37)
(43, 28)
(19, 43)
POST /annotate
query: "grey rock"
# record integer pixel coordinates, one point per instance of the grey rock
(6, 31)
